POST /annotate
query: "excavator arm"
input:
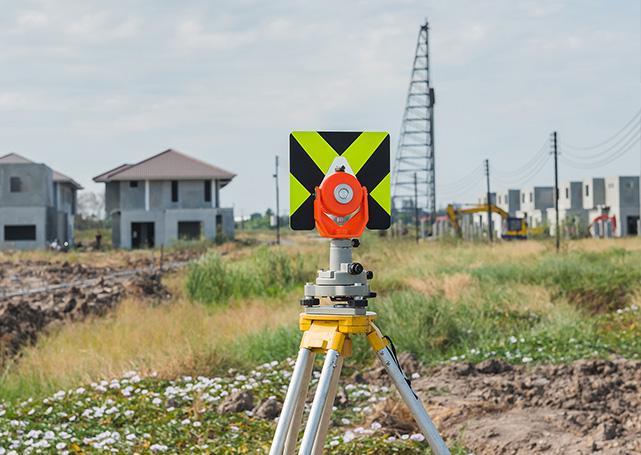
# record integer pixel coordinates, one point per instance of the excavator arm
(454, 214)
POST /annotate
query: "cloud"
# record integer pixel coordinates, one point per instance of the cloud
(191, 33)
(227, 81)
(32, 19)
(102, 26)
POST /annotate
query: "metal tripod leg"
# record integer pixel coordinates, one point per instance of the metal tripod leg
(294, 427)
(413, 403)
(303, 363)
(321, 435)
(322, 392)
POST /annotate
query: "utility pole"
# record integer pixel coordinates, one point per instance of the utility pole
(277, 205)
(556, 192)
(416, 222)
(489, 202)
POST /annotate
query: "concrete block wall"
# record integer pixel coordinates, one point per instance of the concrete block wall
(166, 224)
(24, 216)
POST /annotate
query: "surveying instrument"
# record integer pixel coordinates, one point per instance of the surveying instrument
(340, 184)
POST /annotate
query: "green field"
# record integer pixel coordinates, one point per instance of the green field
(442, 301)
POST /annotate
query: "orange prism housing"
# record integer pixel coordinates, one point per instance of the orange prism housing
(325, 204)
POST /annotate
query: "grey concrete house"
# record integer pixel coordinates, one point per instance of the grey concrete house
(534, 204)
(510, 201)
(167, 197)
(572, 214)
(37, 204)
(621, 203)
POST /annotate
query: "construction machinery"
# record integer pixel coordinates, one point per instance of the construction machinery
(514, 228)
(603, 225)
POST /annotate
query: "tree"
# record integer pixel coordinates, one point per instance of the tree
(91, 205)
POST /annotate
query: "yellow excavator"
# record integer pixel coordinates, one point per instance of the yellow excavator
(514, 228)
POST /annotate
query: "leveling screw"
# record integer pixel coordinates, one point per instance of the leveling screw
(355, 268)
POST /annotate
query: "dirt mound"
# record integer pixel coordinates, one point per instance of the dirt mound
(22, 318)
(147, 285)
(584, 407)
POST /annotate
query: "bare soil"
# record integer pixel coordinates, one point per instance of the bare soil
(61, 292)
(589, 406)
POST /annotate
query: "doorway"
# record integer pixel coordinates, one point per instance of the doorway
(142, 235)
(219, 228)
(633, 225)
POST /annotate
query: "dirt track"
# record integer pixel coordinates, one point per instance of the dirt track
(589, 406)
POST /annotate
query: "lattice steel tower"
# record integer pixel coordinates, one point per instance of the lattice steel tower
(415, 150)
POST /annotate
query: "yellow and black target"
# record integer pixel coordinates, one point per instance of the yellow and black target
(311, 155)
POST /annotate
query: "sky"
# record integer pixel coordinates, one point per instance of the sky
(88, 85)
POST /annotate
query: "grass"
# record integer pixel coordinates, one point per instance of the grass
(440, 301)
(267, 272)
(174, 339)
(444, 302)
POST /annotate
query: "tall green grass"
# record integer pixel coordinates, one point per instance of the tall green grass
(268, 272)
(598, 282)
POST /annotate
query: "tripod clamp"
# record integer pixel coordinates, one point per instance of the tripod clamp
(345, 284)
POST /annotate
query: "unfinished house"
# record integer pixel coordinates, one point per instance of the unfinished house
(510, 201)
(573, 217)
(614, 209)
(37, 204)
(165, 198)
(534, 204)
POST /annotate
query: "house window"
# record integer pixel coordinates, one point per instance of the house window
(587, 190)
(20, 232)
(207, 190)
(567, 193)
(189, 230)
(15, 184)
(174, 191)
(133, 184)
(531, 197)
(523, 198)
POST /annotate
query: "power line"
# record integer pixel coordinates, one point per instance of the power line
(462, 180)
(528, 165)
(601, 153)
(464, 188)
(534, 171)
(605, 161)
(595, 146)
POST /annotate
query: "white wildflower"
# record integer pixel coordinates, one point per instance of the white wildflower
(348, 436)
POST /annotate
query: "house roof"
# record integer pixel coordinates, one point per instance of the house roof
(168, 165)
(105, 176)
(14, 158)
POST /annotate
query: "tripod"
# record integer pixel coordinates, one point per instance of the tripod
(328, 329)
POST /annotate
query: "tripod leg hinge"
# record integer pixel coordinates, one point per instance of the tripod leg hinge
(375, 338)
(322, 336)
